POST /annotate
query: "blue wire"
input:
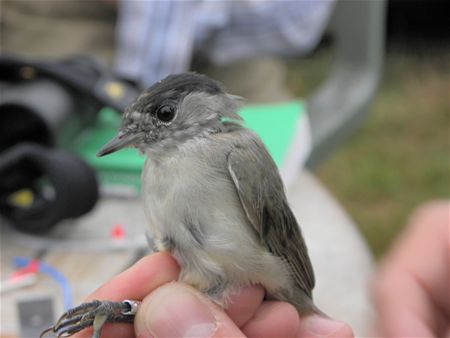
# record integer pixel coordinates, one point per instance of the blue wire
(21, 262)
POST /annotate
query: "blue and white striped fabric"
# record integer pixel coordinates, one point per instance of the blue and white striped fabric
(156, 38)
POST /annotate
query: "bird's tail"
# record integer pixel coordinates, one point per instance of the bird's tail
(302, 302)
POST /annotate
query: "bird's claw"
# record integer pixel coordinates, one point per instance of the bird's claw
(95, 314)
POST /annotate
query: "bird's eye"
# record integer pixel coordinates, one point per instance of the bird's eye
(165, 113)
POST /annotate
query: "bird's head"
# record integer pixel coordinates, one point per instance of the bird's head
(173, 110)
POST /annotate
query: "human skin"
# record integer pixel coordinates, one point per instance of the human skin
(174, 309)
(411, 289)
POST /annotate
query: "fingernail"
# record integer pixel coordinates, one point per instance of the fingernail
(176, 311)
(323, 327)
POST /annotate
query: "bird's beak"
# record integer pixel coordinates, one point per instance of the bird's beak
(118, 143)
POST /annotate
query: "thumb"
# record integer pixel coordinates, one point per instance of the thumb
(320, 326)
(177, 310)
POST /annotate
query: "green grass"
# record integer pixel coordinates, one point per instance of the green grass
(400, 157)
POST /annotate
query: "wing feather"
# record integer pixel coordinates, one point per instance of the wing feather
(263, 199)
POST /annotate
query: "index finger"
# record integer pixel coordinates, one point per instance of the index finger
(140, 279)
(135, 283)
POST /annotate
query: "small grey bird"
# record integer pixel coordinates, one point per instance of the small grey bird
(213, 197)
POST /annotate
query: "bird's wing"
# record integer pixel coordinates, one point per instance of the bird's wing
(263, 199)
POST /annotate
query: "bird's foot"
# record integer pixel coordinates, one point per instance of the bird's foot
(95, 314)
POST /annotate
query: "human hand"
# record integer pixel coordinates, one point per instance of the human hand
(411, 290)
(177, 310)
